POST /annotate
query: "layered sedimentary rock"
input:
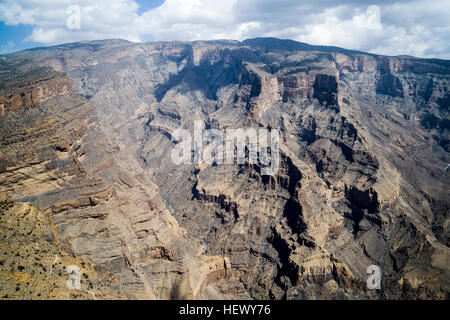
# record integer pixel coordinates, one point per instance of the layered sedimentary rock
(25, 86)
(363, 174)
(56, 157)
(33, 266)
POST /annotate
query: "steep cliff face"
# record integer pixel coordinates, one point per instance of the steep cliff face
(25, 85)
(104, 207)
(363, 176)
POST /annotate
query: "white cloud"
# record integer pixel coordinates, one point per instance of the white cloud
(414, 27)
(7, 47)
(189, 20)
(99, 19)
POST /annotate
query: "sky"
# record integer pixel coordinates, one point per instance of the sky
(405, 27)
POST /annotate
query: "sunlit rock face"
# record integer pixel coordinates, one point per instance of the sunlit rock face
(363, 178)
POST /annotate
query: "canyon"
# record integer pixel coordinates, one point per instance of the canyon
(85, 161)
